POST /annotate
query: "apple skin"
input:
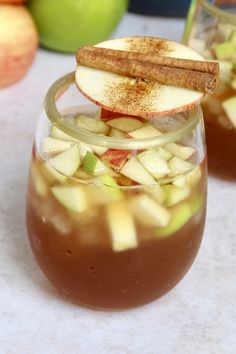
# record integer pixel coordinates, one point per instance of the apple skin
(16, 2)
(66, 25)
(18, 43)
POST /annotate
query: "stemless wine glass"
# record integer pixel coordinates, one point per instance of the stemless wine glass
(105, 240)
(211, 30)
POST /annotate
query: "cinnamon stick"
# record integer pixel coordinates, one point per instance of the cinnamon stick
(196, 80)
(154, 58)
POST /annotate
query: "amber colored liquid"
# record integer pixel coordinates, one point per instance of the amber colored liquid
(221, 140)
(92, 274)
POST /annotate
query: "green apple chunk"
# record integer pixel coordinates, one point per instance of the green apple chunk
(71, 197)
(224, 50)
(179, 181)
(147, 131)
(93, 166)
(175, 194)
(40, 185)
(153, 163)
(156, 192)
(233, 83)
(183, 152)
(125, 124)
(194, 176)
(67, 162)
(116, 133)
(180, 216)
(92, 124)
(134, 170)
(229, 106)
(51, 146)
(122, 226)
(148, 212)
(179, 166)
(105, 191)
(164, 154)
(196, 204)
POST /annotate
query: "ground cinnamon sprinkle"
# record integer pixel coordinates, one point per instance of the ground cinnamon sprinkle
(132, 93)
(148, 44)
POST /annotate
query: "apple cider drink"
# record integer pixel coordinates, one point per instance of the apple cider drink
(116, 202)
(211, 30)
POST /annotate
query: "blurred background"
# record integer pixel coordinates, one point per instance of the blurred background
(64, 25)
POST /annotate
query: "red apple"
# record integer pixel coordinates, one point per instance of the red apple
(106, 115)
(116, 158)
(18, 43)
(16, 2)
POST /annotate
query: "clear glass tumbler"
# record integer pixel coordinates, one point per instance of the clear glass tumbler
(211, 30)
(105, 231)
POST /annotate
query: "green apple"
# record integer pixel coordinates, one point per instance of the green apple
(65, 25)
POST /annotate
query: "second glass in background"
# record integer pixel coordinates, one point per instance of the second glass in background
(211, 30)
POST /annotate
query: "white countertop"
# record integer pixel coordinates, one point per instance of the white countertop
(197, 317)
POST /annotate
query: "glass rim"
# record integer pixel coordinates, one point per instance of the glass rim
(216, 11)
(60, 86)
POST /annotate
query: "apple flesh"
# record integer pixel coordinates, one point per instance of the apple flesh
(93, 165)
(18, 43)
(122, 226)
(145, 132)
(51, 146)
(153, 163)
(101, 87)
(67, 162)
(134, 170)
(71, 197)
(125, 124)
(148, 212)
(115, 158)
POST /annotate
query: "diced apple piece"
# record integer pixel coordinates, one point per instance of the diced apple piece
(92, 124)
(179, 166)
(224, 50)
(125, 124)
(116, 158)
(180, 216)
(99, 150)
(122, 226)
(164, 154)
(67, 162)
(229, 106)
(196, 204)
(153, 163)
(183, 152)
(59, 134)
(156, 192)
(51, 146)
(226, 69)
(40, 185)
(148, 212)
(116, 133)
(147, 131)
(134, 170)
(52, 174)
(124, 181)
(105, 191)
(175, 194)
(180, 181)
(194, 176)
(84, 148)
(71, 197)
(93, 165)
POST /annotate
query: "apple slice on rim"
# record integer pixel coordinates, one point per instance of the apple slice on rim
(130, 96)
